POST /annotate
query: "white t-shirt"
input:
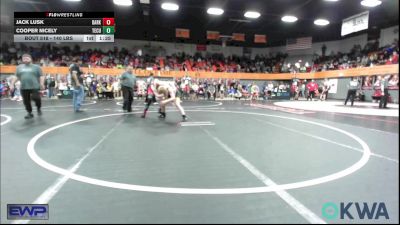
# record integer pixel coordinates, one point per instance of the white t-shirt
(116, 86)
(195, 87)
(393, 82)
(186, 80)
(62, 86)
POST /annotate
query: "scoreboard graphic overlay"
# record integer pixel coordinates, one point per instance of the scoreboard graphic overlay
(64, 26)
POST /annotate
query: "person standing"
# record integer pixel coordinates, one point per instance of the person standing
(385, 92)
(293, 89)
(1, 89)
(187, 82)
(77, 83)
(303, 89)
(353, 86)
(128, 82)
(270, 89)
(325, 89)
(116, 88)
(222, 91)
(211, 91)
(51, 86)
(32, 81)
(312, 89)
(17, 91)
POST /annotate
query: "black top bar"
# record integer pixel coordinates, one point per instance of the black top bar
(63, 14)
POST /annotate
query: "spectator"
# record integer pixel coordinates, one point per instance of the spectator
(377, 89)
(77, 82)
(325, 89)
(264, 90)
(238, 93)
(211, 91)
(303, 89)
(282, 87)
(312, 89)
(270, 89)
(367, 81)
(353, 86)
(109, 91)
(1, 89)
(385, 92)
(4, 90)
(395, 58)
(100, 91)
(51, 87)
(394, 81)
(231, 92)
(255, 91)
(116, 88)
(293, 89)
(195, 88)
(92, 88)
(17, 91)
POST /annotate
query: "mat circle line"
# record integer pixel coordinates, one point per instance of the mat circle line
(201, 191)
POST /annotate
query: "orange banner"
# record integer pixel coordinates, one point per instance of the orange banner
(260, 38)
(366, 71)
(212, 35)
(182, 33)
(238, 37)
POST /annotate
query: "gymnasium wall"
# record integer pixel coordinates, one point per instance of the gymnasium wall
(166, 48)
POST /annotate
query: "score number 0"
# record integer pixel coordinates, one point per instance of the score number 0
(108, 21)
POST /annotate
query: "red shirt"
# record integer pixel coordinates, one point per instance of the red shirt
(395, 59)
(150, 91)
(162, 65)
(155, 67)
(312, 86)
(293, 87)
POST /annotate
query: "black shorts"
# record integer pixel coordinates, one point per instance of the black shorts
(150, 98)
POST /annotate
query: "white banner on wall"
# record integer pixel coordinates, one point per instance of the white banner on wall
(333, 83)
(355, 23)
(215, 48)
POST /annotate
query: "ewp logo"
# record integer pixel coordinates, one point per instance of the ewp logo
(331, 210)
(28, 212)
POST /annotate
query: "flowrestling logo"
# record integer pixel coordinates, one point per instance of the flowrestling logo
(351, 210)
